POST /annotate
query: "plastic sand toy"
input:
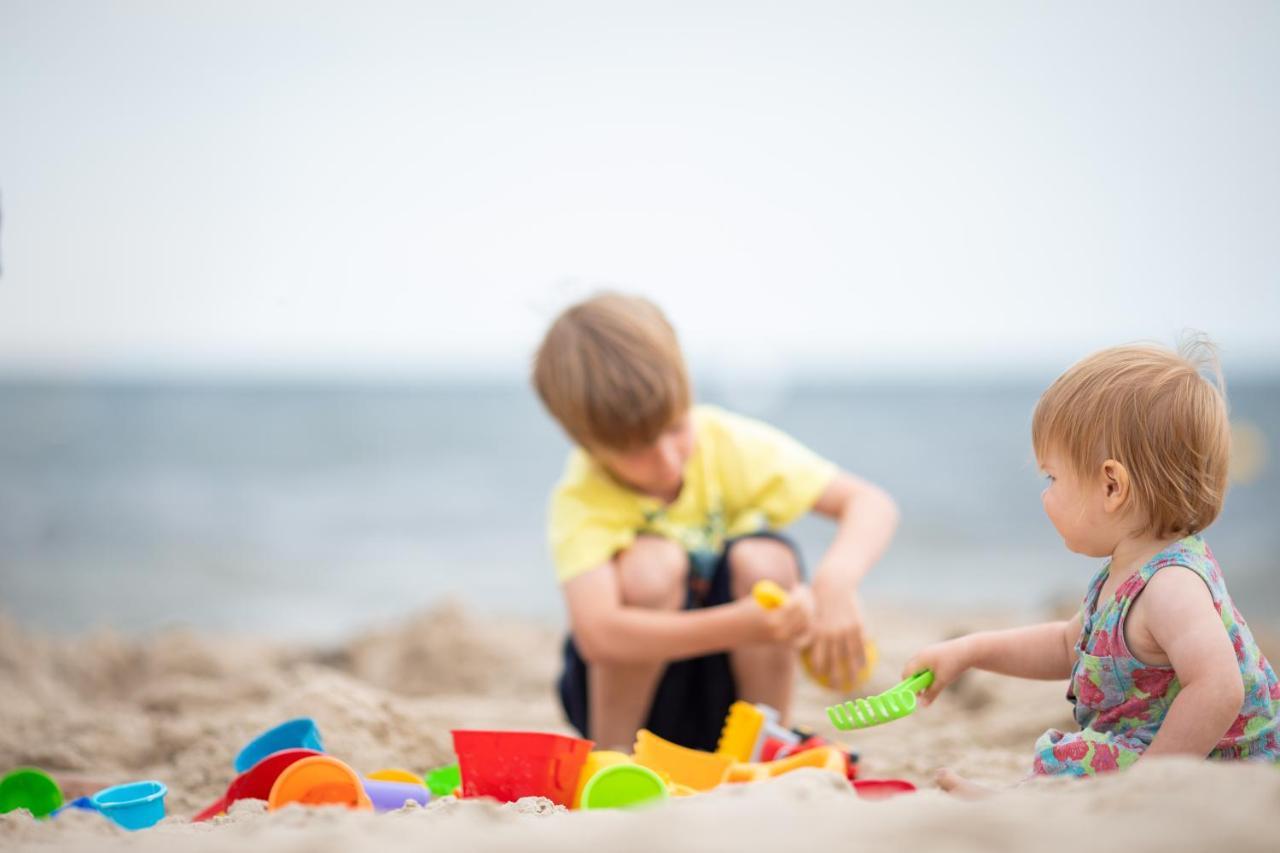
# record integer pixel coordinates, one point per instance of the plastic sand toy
(693, 768)
(510, 765)
(444, 781)
(893, 704)
(882, 789)
(299, 733)
(256, 782)
(597, 761)
(31, 789)
(754, 733)
(389, 796)
(395, 774)
(136, 805)
(624, 786)
(318, 780)
(826, 758)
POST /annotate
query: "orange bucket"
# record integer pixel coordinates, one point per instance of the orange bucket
(320, 780)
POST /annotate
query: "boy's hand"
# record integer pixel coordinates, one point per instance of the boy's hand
(789, 622)
(838, 652)
(948, 660)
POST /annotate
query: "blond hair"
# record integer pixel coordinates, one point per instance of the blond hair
(1153, 411)
(611, 372)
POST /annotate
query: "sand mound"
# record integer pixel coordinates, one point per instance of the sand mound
(177, 707)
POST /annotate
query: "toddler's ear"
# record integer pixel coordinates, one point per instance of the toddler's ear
(1115, 484)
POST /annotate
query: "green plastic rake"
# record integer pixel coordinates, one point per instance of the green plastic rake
(893, 704)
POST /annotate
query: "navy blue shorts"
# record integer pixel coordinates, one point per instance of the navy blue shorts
(693, 695)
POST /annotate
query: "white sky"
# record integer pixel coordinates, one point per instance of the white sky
(845, 186)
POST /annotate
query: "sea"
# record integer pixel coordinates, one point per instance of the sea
(308, 510)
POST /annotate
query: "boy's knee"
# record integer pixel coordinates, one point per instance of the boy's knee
(759, 559)
(653, 573)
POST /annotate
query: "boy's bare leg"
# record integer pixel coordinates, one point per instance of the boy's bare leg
(652, 573)
(765, 672)
(954, 783)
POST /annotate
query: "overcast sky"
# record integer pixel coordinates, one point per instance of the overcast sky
(845, 186)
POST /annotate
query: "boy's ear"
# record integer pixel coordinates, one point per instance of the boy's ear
(1115, 485)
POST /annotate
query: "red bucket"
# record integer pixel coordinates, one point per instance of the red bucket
(511, 765)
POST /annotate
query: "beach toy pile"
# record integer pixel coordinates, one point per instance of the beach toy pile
(287, 765)
(135, 805)
(753, 746)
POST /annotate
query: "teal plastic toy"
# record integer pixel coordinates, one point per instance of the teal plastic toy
(298, 733)
(136, 805)
(893, 704)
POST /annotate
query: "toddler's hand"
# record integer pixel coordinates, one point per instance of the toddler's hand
(948, 660)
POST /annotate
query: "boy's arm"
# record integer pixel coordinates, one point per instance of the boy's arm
(866, 517)
(607, 631)
(1045, 651)
(1183, 622)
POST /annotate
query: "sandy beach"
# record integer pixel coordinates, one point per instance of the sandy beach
(177, 706)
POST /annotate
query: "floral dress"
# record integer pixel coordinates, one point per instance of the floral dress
(1120, 702)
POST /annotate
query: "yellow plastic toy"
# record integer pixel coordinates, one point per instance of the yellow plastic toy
(691, 768)
(740, 737)
(395, 774)
(823, 758)
(769, 595)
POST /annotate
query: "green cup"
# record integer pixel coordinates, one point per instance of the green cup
(623, 786)
(443, 781)
(30, 789)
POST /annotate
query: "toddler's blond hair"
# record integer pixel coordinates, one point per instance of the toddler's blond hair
(1153, 411)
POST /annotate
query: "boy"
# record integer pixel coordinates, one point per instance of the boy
(664, 519)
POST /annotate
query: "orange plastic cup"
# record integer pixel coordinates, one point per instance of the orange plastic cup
(320, 780)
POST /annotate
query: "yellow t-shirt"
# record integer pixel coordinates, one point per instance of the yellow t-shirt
(743, 477)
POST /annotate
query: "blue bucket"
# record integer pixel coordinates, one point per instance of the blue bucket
(136, 805)
(300, 733)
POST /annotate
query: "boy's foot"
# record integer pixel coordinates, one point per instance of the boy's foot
(955, 784)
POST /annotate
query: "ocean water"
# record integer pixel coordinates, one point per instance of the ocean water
(308, 511)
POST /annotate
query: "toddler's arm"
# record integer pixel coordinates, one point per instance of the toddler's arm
(607, 631)
(1044, 651)
(1176, 611)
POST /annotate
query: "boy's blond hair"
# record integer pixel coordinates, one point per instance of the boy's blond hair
(1153, 411)
(611, 372)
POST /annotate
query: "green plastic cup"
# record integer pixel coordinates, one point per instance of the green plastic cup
(443, 781)
(624, 786)
(31, 789)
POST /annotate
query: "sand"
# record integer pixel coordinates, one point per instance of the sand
(177, 706)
